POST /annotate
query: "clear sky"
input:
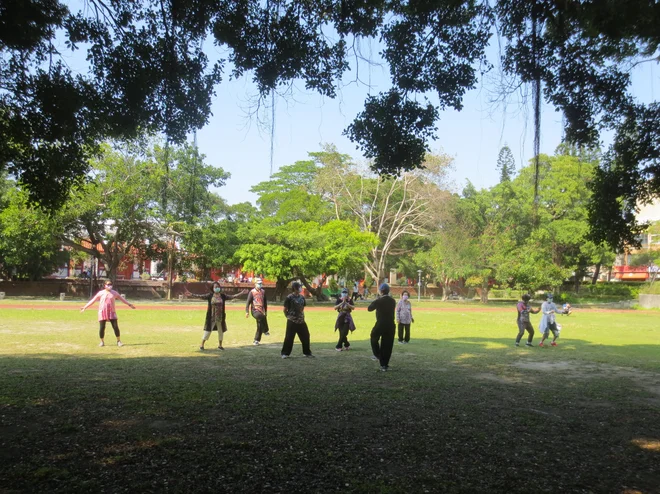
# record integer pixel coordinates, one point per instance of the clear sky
(235, 141)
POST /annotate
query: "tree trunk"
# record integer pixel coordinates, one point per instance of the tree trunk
(316, 292)
(483, 297)
(596, 274)
(445, 288)
(170, 268)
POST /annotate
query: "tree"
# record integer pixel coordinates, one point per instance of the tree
(29, 248)
(506, 164)
(303, 250)
(148, 72)
(392, 208)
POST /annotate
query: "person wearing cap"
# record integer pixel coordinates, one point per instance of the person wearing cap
(548, 320)
(344, 322)
(256, 300)
(294, 311)
(382, 335)
(524, 323)
(216, 317)
(106, 299)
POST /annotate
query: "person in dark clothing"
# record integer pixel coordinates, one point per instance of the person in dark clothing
(294, 311)
(344, 321)
(524, 323)
(215, 313)
(257, 299)
(382, 335)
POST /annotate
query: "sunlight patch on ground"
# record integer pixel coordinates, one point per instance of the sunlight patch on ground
(647, 444)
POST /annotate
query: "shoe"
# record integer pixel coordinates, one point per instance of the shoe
(266, 333)
(553, 344)
(221, 347)
(310, 356)
(347, 348)
(527, 344)
(119, 343)
(384, 368)
(400, 342)
(517, 344)
(285, 356)
(406, 342)
(373, 357)
(338, 349)
(101, 344)
(201, 348)
(256, 343)
(541, 344)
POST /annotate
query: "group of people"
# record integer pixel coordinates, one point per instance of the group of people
(389, 313)
(390, 316)
(548, 322)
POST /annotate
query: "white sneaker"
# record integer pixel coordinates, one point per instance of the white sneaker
(373, 357)
(101, 344)
(285, 356)
(256, 343)
(119, 343)
(338, 349)
(266, 333)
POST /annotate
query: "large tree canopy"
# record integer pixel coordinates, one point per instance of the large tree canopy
(148, 71)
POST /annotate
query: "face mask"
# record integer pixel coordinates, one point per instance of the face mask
(108, 287)
(217, 289)
(258, 286)
(405, 297)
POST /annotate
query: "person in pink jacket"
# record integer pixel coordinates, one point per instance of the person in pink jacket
(106, 299)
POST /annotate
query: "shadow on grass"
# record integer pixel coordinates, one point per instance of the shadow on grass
(463, 415)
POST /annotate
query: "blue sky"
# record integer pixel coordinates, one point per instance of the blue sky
(304, 120)
(473, 137)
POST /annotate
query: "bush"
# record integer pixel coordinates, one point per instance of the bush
(650, 289)
(332, 285)
(402, 281)
(602, 291)
(503, 293)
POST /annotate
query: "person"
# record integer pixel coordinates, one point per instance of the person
(344, 322)
(523, 321)
(256, 300)
(106, 299)
(382, 334)
(215, 313)
(567, 309)
(404, 317)
(294, 311)
(548, 321)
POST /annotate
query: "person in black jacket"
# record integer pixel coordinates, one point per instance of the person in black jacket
(215, 313)
(385, 328)
(294, 311)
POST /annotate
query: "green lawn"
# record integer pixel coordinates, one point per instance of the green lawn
(462, 409)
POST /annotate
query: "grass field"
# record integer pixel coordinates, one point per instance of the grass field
(462, 409)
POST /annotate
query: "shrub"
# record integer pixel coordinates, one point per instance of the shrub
(650, 289)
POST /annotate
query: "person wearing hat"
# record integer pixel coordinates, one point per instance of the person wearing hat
(344, 321)
(548, 320)
(294, 311)
(256, 300)
(106, 299)
(216, 317)
(524, 323)
(382, 335)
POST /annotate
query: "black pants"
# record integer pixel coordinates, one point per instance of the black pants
(343, 336)
(293, 329)
(262, 324)
(383, 350)
(522, 327)
(115, 327)
(402, 328)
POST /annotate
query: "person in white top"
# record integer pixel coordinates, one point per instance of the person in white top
(548, 321)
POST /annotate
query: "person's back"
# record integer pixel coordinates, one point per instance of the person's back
(385, 308)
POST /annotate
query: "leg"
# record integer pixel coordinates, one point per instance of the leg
(220, 337)
(521, 332)
(406, 337)
(341, 338)
(205, 336)
(288, 338)
(259, 332)
(400, 330)
(303, 335)
(115, 328)
(345, 330)
(375, 346)
(386, 344)
(102, 332)
(530, 331)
